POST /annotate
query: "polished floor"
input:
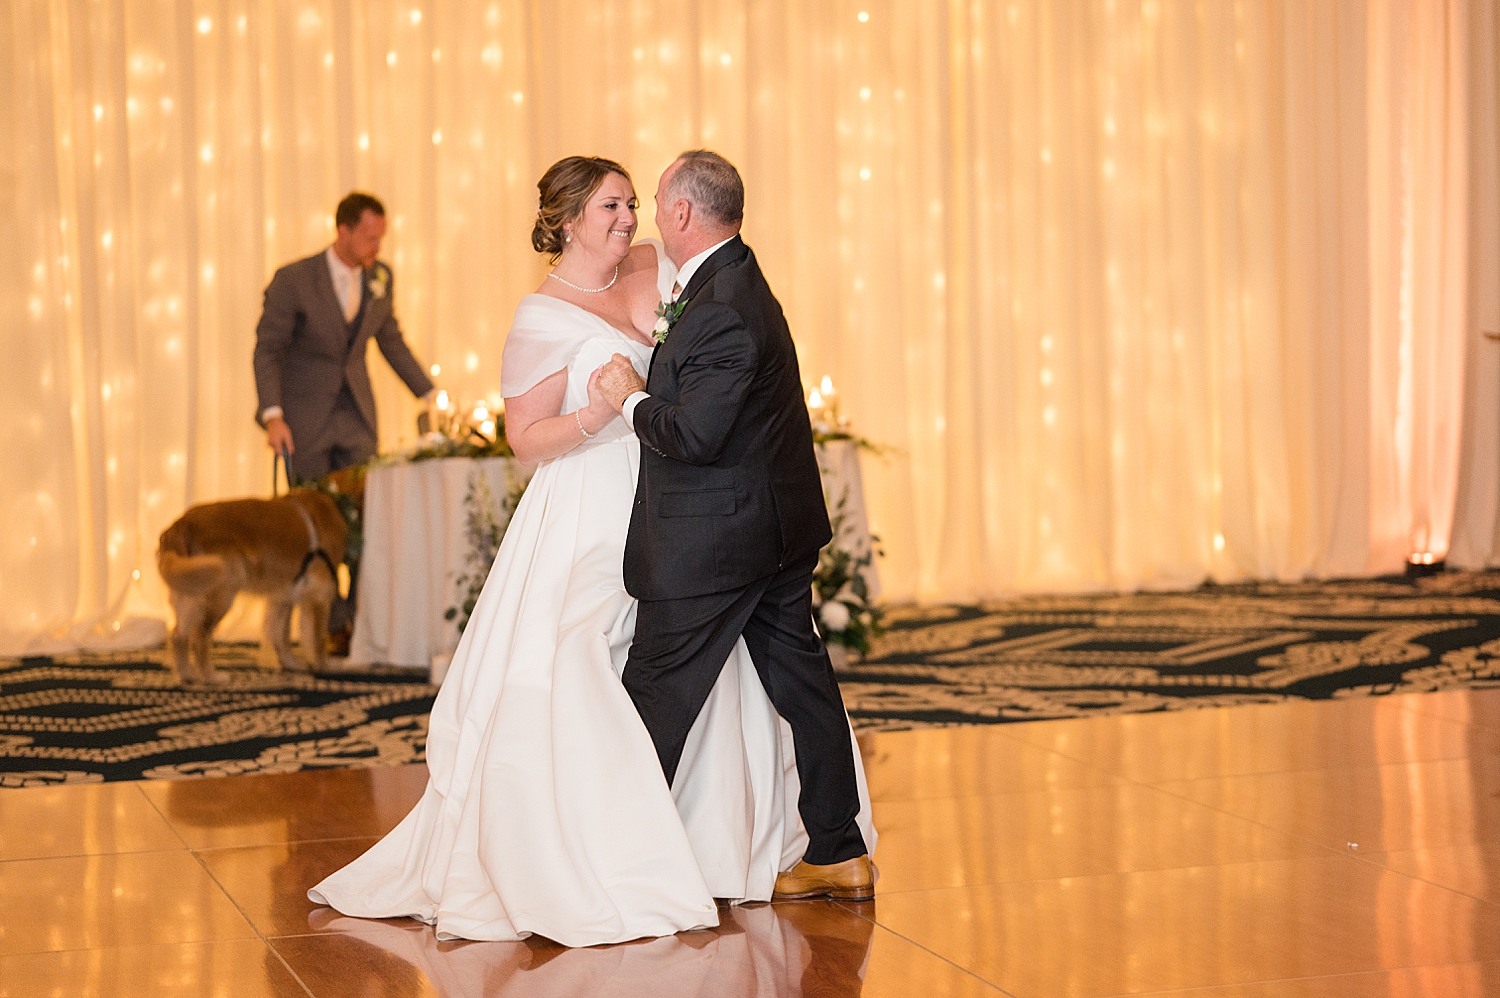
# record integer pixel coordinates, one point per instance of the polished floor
(1345, 848)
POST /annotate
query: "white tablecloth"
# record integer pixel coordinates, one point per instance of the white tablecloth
(415, 550)
(415, 547)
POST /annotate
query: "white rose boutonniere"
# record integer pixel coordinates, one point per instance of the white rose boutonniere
(380, 281)
(667, 314)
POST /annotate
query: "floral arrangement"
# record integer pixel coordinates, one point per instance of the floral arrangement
(841, 595)
(829, 426)
(457, 431)
(484, 531)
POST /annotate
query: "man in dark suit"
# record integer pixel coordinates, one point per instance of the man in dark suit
(729, 517)
(310, 374)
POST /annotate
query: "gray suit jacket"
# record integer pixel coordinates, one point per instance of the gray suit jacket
(304, 351)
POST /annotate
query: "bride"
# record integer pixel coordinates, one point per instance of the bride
(546, 811)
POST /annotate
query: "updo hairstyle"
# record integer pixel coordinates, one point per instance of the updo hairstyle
(562, 193)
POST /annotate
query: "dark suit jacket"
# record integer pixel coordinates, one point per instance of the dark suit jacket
(729, 488)
(305, 351)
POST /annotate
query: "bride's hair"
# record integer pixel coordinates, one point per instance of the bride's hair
(561, 195)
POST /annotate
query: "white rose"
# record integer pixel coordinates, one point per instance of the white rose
(835, 615)
(662, 325)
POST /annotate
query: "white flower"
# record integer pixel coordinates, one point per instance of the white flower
(835, 615)
(662, 326)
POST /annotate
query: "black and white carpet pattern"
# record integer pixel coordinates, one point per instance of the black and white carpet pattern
(1070, 656)
(89, 718)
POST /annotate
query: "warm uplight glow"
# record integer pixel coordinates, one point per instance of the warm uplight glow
(442, 400)
(826, 385)
(815, 400)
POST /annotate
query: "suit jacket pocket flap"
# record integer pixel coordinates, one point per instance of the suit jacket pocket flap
(703, 502)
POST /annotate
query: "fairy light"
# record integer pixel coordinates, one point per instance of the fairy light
(436, 369)
(442, 400)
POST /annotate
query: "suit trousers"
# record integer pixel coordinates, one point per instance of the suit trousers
(680, 648)
(345, 440)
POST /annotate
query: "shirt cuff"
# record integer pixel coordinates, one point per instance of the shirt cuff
(269, 413)
(628, 409)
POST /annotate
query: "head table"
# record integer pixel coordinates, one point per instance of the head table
(416, 546)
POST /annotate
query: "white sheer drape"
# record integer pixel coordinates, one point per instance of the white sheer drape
(1144, 291)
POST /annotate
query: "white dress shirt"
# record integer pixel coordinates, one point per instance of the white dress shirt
(684, 276)
(346, 284)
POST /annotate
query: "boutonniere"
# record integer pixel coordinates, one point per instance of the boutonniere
(667, 314)
(380, 281)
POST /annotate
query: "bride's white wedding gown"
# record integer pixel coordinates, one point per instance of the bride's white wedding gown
(546, 811)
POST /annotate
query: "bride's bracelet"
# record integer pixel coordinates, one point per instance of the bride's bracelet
(579, 420)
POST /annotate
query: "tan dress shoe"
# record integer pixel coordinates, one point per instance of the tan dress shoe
(851, 880)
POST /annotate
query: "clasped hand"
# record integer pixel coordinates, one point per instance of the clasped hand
(616, 381)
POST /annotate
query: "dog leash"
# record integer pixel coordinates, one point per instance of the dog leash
(284, 460)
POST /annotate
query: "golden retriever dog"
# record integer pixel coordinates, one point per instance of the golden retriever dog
(284, 549)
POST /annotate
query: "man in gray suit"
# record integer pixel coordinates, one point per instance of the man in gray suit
(310, 374)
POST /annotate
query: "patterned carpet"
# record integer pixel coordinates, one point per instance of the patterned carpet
(91, 718)
(1071, 656)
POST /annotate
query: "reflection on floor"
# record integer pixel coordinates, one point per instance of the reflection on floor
(1345, 848)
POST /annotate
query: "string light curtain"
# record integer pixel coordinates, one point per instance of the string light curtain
(1140, 292)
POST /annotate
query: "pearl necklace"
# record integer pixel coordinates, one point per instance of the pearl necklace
(591, 291)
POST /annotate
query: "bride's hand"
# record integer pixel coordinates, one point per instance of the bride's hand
(598, 413)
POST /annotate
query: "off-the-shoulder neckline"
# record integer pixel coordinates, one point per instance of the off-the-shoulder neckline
(592, 315)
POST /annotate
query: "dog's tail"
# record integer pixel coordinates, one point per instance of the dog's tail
(193, 574)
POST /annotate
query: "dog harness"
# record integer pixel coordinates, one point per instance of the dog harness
(315, 550)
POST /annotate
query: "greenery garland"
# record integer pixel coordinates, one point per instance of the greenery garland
(484, 531)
